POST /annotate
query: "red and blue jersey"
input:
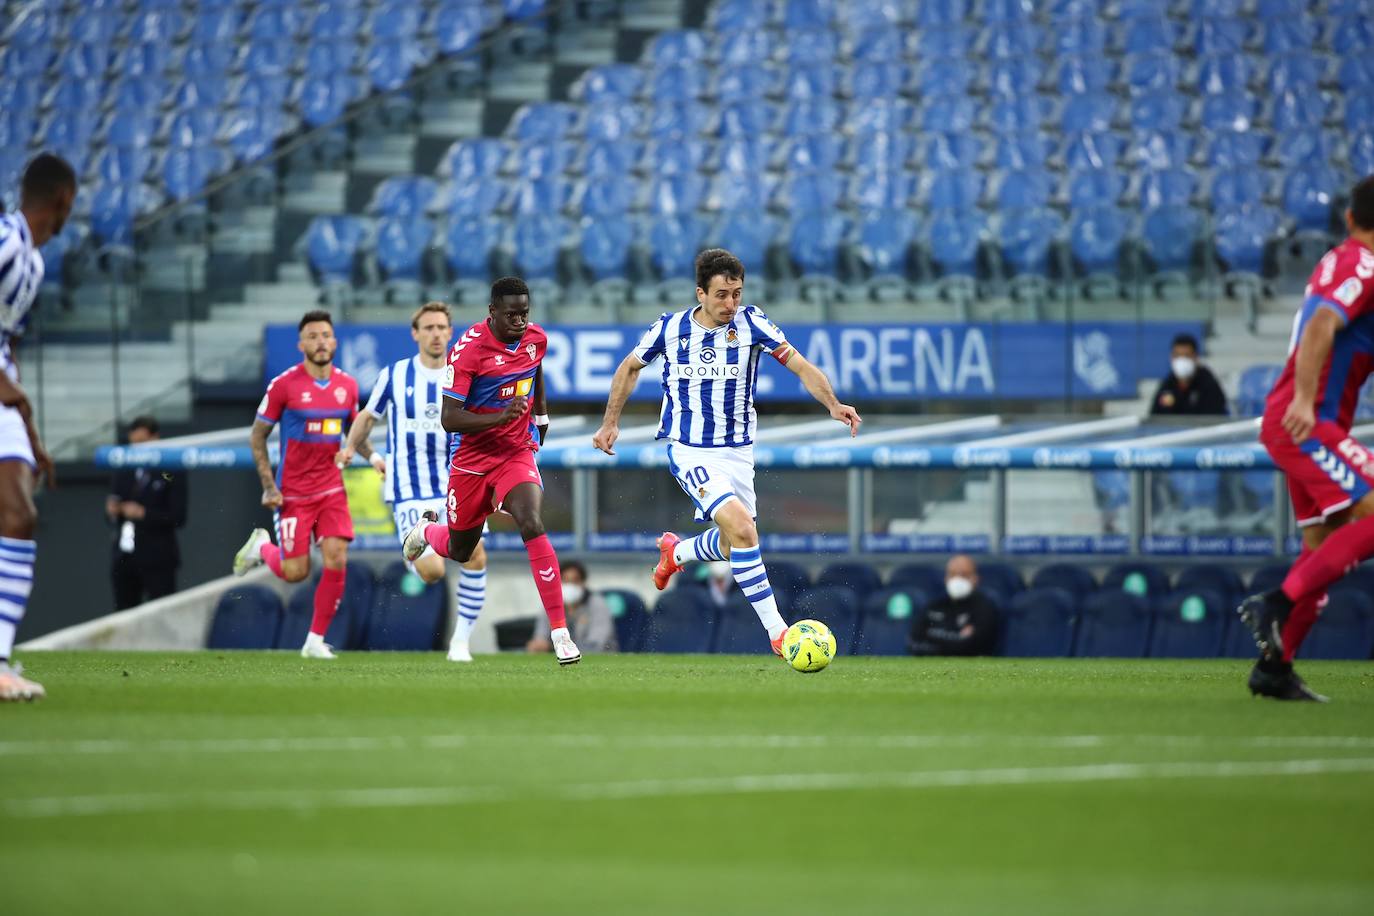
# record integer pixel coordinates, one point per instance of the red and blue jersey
(483, 375)
(1344, 283)
(314, 415)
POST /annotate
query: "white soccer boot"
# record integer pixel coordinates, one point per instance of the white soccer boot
(415, 543)
(249, 555)
(459, 652)
(15, 687)
(564, 647)
(316, 647)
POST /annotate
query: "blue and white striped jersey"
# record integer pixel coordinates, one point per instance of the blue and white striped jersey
(709, 374)
(21, 273)
(416, 443)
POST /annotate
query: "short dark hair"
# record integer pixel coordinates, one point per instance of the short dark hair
(144, 421)
(571, 565)
(717, 262)
(315, 315)
(1185, 340)
(1362, 203)
(508, 286)
(44, 176)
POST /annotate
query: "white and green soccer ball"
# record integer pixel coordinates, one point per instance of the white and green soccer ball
(808, 646)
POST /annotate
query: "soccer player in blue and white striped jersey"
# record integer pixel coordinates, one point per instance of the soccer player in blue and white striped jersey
(410, 393)
(710, 355)
(45, 200)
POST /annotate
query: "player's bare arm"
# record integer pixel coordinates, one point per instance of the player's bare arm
(1314, 348)
(257, 441)
(541, 404)
(458, 419)
(44, 467)
(12, 395)
(818, 386)
(359, 442)
(624, 381)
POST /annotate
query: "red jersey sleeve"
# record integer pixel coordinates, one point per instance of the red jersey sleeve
(1344, 280)
(462, 367)
(274, 401)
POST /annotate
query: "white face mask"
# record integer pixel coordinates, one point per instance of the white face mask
(573, 593)
(1183, 367)
(958, 587)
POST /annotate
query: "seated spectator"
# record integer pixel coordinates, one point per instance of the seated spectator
(1190, 388)
(963, 622)
(589, 616)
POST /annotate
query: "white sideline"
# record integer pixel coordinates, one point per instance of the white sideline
(428, 796)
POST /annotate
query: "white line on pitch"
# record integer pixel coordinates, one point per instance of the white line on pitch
(430, 796)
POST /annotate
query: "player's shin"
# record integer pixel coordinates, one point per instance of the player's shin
(472, 593)
(328, 594)
(752, 577)
(705, 547)
(271, 555)
(17, 556)
(1343, 549)
(438, 537)
(547, 579)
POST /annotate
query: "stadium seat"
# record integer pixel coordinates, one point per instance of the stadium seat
(1345, 629)
(300, 609)
(1071, 577)
(332, 244)
(955, 189)
(1028, 189)
(1016, 114)
(870, 192)
(882, 248)
(676, 195)
(948, 114)
(673, 244)
(749, 236)
(836, 607)
(888, 616)
(1154, 72)
(630, 615)
(739, 630)
(406, 614)
(1136, 579)
(538, 240)
(815, 243)
(1015, 153)
(944, 77)
(1242, 236)
(401, 246)
(860, 578)
(925, 577)
(404, 197)
(1267, 577)
(683, 620)
(246, 617)
(475, 159)
(1038, 623)
(1085, 74)
(468, 246)
(1309, 195)
(1171, 187)
(1169, 237)
(1190, 623)
(542, 121)
(953, 239)
(605, 247)
(1221, 581)
(1002, 580)
(1096, 237)
(1026, 237)
(1311, 147)
(1088, 113)
(1113, 625)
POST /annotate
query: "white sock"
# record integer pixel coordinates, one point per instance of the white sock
(751, 576)
(472, 594)
(704, 547)
(16, 582)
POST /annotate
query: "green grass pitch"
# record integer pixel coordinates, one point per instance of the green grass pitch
(257, 783)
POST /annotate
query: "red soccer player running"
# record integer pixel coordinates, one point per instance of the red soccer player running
(314, 402)
(492, 379)
(1306, 429)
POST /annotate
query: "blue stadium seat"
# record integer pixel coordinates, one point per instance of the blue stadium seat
(881, 189)
(746, 83)
(337, 21)
(956, 189)
(1088, 74)
(731, 16)
(1026, 237)
(332, 244)
(1231, 150)
(542, 121)
(113, 209)
(1091, 151)
(868, 116)
(747, 156)
(739, 190)
(458, 26)
(942, 152)
(1283, 36)
(663, 157)
(1298, 110)
(676, 195)
(824, 152)
(866, 15)
(403, 196)
(1190, 623)
(1309, 195)
(674, 241)
(1232, 190)
(806, 14)
(544, 196)
(1169, 237)
(476, 197)
(1362, 152)
(1221, 581)
(953, 239)
(676, 46)
(1113, 625)
(1071, 577)
(877, 80)
(1229, 111)
(1038, 623)
(1157, 111)
(888, 616)
(1154, 72)
(1352, 34)
(739, 631)
(953, 42)
(1311, 147)
(815, 243)
(948, 114)
(811, 45)
(683, 620)
(1148, 34)
(1298, 71)
(1354, 74)
(1096, 237)
(1089, 188)
(937, 13)
(1359, 111)
(806, 82)
(1255, 384)
(944, 77)
(859, 578)
(926, 577)
(611, 122)
(322, 99)
(393, 21)
(389, 64)
(836, 607)
(539, 161)
(1171, 188)
(406, 614)
(1214, 35)
(1112, 489)
(746, 47)
(999, 43)
(476, 159)
(1088, 113)
(749, 119)
(1243, 234)
(539, 238)
(883, 241)
(1014, 114)
(186, 171)
(270, 24)
(401, 246)
(1345, 629)
(630, 615)
(1136, 578)
(469, 243)
(1000, 579)
(246, 617)
(748, 236)
(1223, 73)
(810, 192)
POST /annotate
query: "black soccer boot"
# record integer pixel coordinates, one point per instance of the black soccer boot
(1264, 615)
(1278, 680)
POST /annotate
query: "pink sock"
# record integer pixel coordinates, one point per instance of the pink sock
(544, 566)
(328, 594)
(1302, 617)
(271, 555)
(437, 536)
(1343, 548)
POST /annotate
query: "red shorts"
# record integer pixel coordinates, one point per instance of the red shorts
(472, 497)
(302, 522)
(1327, 472)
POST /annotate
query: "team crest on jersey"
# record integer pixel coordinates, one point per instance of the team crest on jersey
(530, 351)
(340, 395)
(1349, 291)
(500, 360)
(731, 338)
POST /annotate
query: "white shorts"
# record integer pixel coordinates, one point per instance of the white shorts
(407, 515)
(14, 437)
(710, 476)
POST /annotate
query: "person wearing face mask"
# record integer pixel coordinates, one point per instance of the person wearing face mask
(962, 622)
(589, 616)
(1190, 389)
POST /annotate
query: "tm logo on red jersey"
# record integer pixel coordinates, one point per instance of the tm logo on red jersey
(520, 388)
(329, 426)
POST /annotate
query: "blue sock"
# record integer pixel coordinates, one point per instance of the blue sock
(16, 582)
(751, 576)
(704, 547)
(472, 593)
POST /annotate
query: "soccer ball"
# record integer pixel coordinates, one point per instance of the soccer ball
(808, 646)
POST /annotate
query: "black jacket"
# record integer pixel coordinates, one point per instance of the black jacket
(163, 497)
(938, 630)
(1203, 397)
